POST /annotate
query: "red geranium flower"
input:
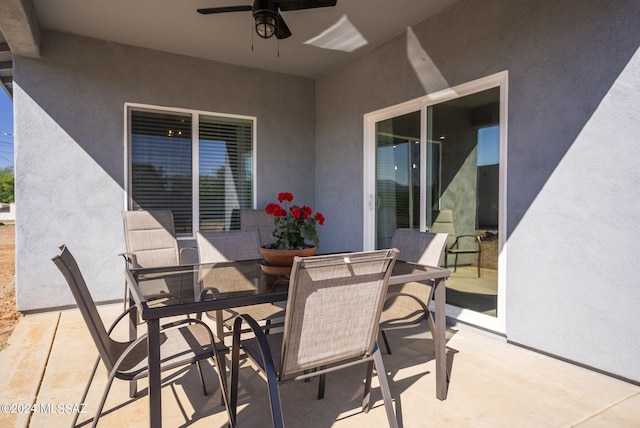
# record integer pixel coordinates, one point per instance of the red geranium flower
(293, 229)
(272, 208)
(285, 196)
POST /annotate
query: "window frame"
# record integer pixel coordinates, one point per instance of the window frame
(195, 142)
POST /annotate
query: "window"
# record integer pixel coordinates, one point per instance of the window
(199, 165)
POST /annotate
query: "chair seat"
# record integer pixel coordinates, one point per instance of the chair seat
(252, 349)
(397, 317)
(402, 310)
(179, 346)
(408, 304)
(462, 251)
(263, 312)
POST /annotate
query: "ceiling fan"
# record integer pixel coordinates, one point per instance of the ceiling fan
(266, 14)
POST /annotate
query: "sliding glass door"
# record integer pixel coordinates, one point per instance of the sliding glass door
(397, 176)
(468, 131)
(436, 166)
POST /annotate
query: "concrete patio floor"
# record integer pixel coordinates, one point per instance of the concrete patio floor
(493, 384)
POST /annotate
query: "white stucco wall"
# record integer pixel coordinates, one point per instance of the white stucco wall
(573, 205)
(573, 276)
(53, 178)
(70, 148)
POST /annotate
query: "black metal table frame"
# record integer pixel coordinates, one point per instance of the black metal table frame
(153, 315)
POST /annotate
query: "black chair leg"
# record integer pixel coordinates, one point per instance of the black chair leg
(321, 384)
(204, 386)
(366, 399)
(386, 342)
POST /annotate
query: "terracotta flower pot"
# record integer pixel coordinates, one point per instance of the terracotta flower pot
(285, 257)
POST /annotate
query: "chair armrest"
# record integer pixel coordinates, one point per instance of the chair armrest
(207, 291)
(119, 318)
(131, 259)
(424, 307)
(476, 238)
(267, 366)
(188, 255)
(265, 350)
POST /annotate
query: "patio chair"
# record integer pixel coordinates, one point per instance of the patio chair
(408, 304)
(233, 245)
(444, 224)
(184, 342)
(151, 242)
(331, 323)
(260, 220)
(150, 239)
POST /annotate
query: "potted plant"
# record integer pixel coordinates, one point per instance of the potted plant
(294, 231)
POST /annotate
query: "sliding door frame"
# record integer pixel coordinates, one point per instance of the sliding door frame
(498, 323)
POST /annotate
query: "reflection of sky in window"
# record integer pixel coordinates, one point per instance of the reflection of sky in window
(169, 155)
(393, 163)
(172, 156)
(489, 145)
(212, 156)
(393, 160)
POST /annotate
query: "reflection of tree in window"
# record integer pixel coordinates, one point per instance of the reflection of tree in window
(162, 171)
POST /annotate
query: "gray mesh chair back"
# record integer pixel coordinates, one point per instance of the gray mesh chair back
(232, 245)
(419, 247)
(184, 342)
(408, 304)
(107, 347)
(333, 300)
(151, 242)
(456, 244)
(443, 223)
(259, 220)
(150, 238)
(331, 322)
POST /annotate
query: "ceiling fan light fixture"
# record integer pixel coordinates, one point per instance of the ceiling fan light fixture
(265, 23)
(266, 14)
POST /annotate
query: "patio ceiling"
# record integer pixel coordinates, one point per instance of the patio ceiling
(176, 27)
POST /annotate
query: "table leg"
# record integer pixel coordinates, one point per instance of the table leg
(133, 335)
(440, 339)
(153, 343)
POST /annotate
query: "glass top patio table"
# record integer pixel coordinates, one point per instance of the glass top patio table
(175, 290)
(168, 291)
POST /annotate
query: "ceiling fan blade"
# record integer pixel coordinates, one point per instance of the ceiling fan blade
(286, 5)
(225, 9)
(282, 30)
